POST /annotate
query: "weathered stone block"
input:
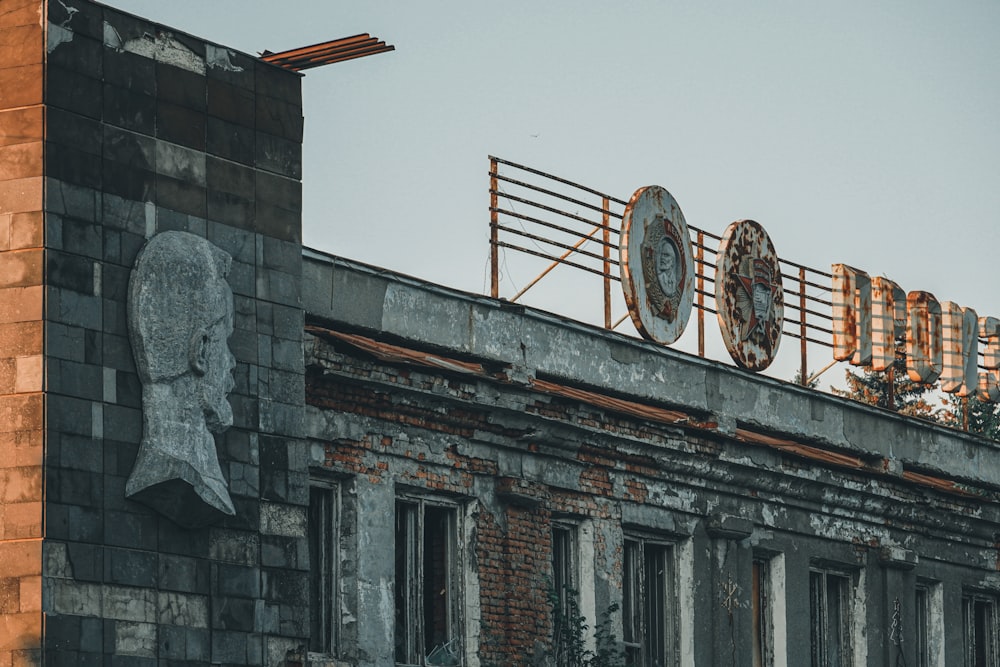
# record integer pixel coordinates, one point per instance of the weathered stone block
(74, 91)
(72, 201)
(180, 125)
(130, 71)
(278, 155)
(181, 87)
(21, 44)
(228, 140)
(21, 268)
(182, 609)
(233, 546)
(229, 647)
(181, 195)
(135, 639)
(130, 567)
(280, 118)
(22, 195)
(276, 82)
(75, 50)
(128, 603)
(22, 160)
(232, 103)
(20, 86)
(128, 109)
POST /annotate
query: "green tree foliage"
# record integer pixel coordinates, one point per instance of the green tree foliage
(872, 387)
(984, 418)
(916, 400)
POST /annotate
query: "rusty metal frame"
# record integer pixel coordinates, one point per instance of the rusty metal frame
(325, 53)
(554, 216)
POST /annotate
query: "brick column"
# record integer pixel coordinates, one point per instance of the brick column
(21, 413)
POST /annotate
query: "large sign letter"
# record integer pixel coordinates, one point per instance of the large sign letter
(923, 337)
(989, 382)
(852, 315)
(960, 329)
(888, 321)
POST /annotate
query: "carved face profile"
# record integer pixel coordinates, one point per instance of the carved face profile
(180, 316)
(666, 266)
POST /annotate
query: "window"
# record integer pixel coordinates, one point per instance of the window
(323, 559)
(829, 611)
(921, 613)
(427, 583)
(648, 615)
(564, 569)
(980, 628)
(761, 607)
(565, 594)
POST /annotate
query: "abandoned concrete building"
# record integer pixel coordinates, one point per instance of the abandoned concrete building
(398, 473)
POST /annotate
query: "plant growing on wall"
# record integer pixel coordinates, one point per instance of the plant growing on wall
(569, 630)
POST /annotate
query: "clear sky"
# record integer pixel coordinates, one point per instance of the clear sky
(856, 132)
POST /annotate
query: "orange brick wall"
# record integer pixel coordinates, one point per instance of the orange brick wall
(21, 372)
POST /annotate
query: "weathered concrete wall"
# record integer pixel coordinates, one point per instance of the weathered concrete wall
(517, 456)
(142, 129)
(549, 346)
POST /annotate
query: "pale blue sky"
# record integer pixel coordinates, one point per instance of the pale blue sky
(855, 132)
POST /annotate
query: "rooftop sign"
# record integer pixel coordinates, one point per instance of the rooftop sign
(758, 299)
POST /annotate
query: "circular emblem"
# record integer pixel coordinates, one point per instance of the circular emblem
(748, 295)
(656, 264)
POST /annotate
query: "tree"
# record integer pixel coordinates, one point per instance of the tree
(983, 418)
(872, 387)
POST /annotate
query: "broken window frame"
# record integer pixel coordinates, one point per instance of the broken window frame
(831, 594)
(324, 565)
(981, 632)
(566, 611)
(649, 601)
(413, 648)
(763, 618)
(921, 617)
(565, 562)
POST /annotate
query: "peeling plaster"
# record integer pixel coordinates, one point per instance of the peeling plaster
(162, 47)
(219, 58)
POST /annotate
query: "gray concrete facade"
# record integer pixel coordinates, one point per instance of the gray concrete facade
(527, 421)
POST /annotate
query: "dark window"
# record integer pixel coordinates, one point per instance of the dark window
(980, 628)
(323, 558)
(830, 616)
(427, 618)
(566, 628)
(761, 604)
(921, 613)
(564, 577)
(648, 609)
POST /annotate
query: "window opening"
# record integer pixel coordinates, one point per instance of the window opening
(567, 616)
(648, 608)
(921, 613)
(323, 561)
(829, 609)
(761, 604)
(426, 593)
(980, 628)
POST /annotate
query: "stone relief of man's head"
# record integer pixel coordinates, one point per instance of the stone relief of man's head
(180, 317)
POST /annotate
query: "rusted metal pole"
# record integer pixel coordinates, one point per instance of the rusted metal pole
(804, 368)
(606, 226)
(700, 272)
(891, 377)
(494, 231)
(556, 263)
(965, 414)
